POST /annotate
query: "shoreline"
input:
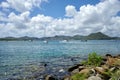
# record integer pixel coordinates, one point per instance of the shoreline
(108, 68)
(69, 72)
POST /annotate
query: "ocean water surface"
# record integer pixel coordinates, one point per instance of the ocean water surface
(35, 59)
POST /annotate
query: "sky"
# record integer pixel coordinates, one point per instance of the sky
(40, 18)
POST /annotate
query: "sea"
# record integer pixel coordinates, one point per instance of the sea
(33, 60)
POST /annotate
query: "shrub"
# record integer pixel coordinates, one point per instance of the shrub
(93, 59)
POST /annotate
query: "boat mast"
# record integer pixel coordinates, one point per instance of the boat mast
(45, 41)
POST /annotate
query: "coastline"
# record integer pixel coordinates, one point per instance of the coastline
(95, 67)
(107, 69)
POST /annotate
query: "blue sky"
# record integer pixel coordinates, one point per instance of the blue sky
(56, 8)
(59, 17)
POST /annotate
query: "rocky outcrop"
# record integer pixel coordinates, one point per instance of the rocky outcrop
(94, 78)
(74, 67)
(109, 66)
(109, 69)
(50, 77)
(100, 70)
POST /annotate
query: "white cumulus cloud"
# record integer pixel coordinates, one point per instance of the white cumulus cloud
(4, 5)
(101, 17)
(22, 5)
(70, 10)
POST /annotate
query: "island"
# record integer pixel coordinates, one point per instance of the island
(92, 36)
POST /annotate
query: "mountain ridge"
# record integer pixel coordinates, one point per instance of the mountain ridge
(92, 36)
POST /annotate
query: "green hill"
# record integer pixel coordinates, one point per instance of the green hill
(97, 36)
(92, 36)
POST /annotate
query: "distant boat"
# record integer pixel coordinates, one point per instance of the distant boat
(83, 40)
(64, 41)
(45, 41)
(30, 40)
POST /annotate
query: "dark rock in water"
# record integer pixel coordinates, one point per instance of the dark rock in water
(45, 65)
(72, 59)
(50, 77)
(108, 55)
(117, 56)
(74, 67)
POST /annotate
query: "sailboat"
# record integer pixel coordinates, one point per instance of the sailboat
(84, 40)
(45, 41)
(64, 41)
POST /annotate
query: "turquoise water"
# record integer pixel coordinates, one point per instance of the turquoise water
(21, 59)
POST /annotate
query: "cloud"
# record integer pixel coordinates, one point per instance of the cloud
(19, 21)
(70, 10)
(101, 17)
(22, 5)
(4, 5)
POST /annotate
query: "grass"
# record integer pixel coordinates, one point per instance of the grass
(79, 76)
(116, 75)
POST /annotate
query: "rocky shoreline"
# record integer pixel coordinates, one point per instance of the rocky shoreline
(94, 68)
